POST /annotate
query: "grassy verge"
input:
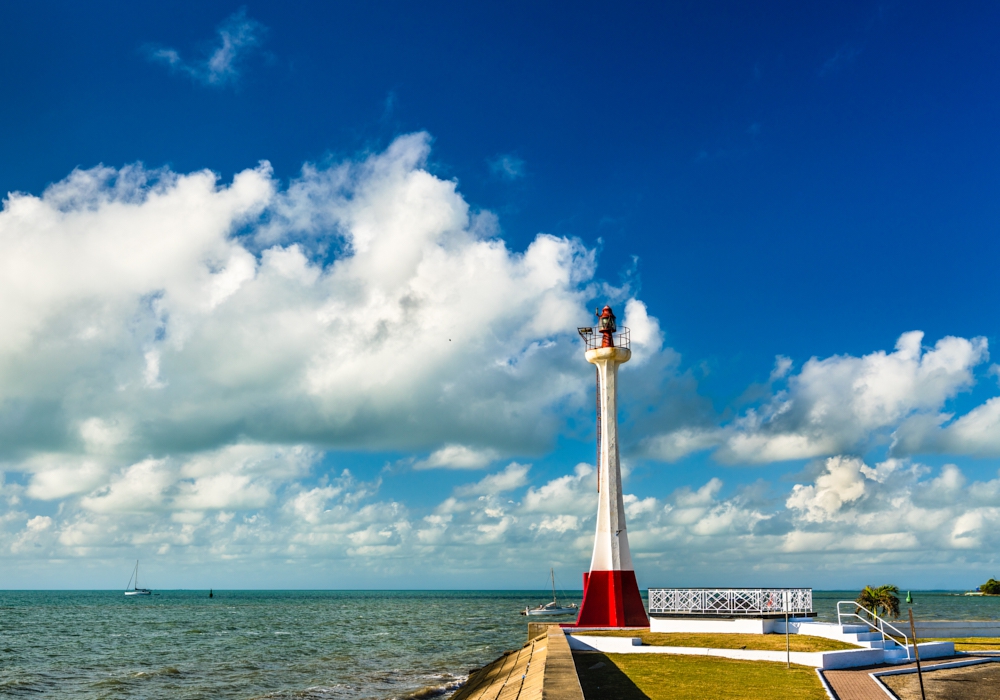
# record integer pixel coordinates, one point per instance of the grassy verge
(758, 642)
(964, 643)
(663, 677)
(970, 643)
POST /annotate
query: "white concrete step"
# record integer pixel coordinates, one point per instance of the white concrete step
(864, 636)
(879, 644)
(897, 654)
(859, 635)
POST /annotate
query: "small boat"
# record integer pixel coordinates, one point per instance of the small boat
(134, 582)
(552, 608)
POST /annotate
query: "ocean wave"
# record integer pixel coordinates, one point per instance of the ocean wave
(317, 692)
(165, 671)
(14, 687)
(434, 691)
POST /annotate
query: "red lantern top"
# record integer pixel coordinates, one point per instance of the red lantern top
(606, 326)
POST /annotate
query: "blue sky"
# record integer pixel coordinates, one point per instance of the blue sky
(289, 293)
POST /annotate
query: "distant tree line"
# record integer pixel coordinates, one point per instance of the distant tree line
(991, 587)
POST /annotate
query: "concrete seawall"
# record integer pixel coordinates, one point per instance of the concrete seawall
(542, 669)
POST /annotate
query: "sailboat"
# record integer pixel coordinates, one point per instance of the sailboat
(552, 608)
(135, 590)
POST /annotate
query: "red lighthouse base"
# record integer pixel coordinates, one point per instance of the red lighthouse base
(611, 599)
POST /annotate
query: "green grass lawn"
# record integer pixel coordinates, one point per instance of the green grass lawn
(758, 642)
(964, 643)
(971, 643)
(670, 677)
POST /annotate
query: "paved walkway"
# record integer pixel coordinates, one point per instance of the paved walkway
(979, 682)
(840, 658)
(856, 684)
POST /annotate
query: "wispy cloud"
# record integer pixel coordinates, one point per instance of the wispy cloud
(513, 477)
(237, 37)
(389, 106)
(508, 167)
(845, 56)
(458, 457)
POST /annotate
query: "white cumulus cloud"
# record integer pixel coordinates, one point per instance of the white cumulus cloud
(180, 355)
(137, 322)
(843, 403)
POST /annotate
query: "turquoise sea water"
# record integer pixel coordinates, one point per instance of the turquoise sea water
(251, 644)
(927, 605)
(284, 644)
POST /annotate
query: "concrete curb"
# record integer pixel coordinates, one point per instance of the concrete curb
(826, 686)
(560, 680)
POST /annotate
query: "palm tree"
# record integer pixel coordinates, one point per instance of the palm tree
(881, 600)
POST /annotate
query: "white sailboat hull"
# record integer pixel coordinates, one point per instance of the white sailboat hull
(135, 590)
(550, 611)
(552, 608)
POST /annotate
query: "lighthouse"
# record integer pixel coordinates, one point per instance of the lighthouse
(610, 592)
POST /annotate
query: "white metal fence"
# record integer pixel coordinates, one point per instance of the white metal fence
(730, 601)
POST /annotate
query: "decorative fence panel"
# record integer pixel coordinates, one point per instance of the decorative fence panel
(730, 601)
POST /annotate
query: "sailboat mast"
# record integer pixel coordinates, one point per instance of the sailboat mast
(552, 573)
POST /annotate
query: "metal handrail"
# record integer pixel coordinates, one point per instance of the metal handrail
(880, 628)
(592, 337)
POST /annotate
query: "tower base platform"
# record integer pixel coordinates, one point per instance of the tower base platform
(611, 599)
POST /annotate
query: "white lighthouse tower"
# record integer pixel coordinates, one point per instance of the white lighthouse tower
(610, 591)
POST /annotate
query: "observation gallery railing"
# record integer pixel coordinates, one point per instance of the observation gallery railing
(593, 337)
(729, 601)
